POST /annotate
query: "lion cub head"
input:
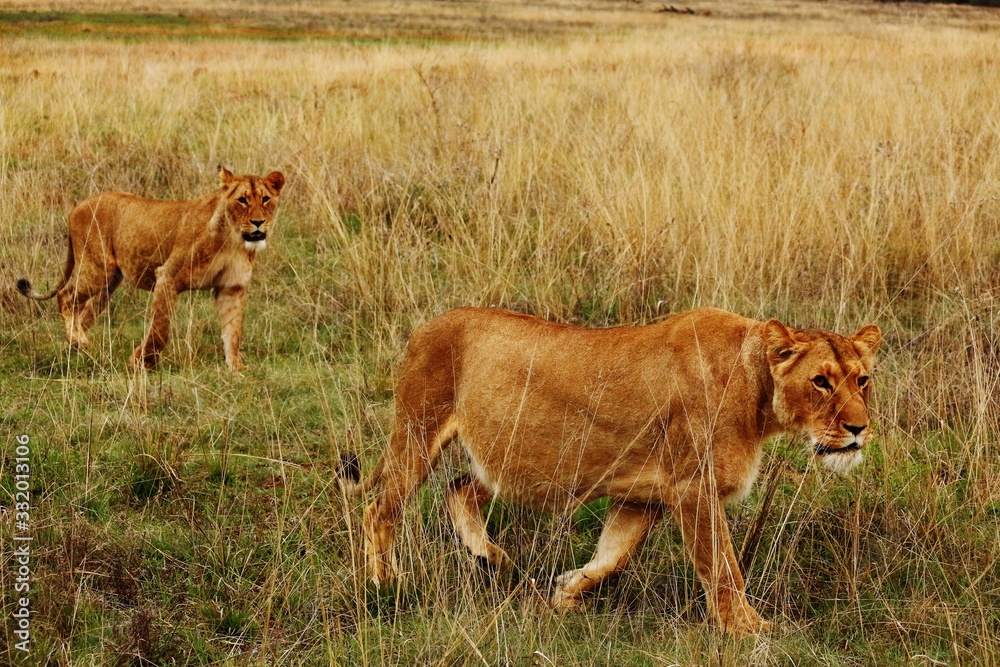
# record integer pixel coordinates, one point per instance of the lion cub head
(250, 204)
(822, 382)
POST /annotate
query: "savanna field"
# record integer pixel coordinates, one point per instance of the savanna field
(599, 163)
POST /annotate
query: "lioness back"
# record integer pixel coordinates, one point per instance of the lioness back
(542, 408)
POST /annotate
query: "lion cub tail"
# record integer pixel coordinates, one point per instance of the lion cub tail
(349, 475)
(25, 288)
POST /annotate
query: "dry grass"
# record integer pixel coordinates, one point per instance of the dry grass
(830, 164)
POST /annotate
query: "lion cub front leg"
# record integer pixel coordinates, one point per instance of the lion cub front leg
(625, 529)
(703, 524)
(164, 298)
(230, 303)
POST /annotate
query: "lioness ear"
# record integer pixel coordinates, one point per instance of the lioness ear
(275, 180)
(778, 341)
(868, 339)
(225, 176)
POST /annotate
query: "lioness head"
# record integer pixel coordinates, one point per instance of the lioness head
(250, 204)
(822, 382)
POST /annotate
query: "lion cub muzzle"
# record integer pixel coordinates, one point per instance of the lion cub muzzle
(255, 239)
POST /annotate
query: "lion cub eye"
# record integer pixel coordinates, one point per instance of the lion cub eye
(242, 200)
(265, 199)
(862, 381)
(821, 382)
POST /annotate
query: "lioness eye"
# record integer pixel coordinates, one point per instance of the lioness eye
(862, 381)
(821, 382)
(242, 200)
(265, 199)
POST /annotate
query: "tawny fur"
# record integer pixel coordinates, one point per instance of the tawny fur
(669, 417)
(168, 247)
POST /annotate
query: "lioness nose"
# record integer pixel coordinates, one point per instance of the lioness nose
(855, 430)
(257, 223)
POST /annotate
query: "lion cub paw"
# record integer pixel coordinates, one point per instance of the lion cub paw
(142, 360)
(79, 341)
(382, 571)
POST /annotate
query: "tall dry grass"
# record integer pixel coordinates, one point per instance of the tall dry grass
(831, 173)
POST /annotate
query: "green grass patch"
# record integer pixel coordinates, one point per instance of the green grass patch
(28, 18)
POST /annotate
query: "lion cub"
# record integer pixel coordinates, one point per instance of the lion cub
(168, 247)
(666, 418)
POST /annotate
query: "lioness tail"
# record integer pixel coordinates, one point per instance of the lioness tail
(24, 286)
(349, 475)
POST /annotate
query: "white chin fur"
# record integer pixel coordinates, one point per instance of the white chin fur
(842, 463)
(255, 246)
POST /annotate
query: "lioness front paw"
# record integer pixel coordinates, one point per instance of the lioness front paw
(568, 595)
(494, 559)
(563, 601)
(743, 620)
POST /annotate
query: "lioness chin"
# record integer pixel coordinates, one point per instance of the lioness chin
(669, 417)
(168, 247)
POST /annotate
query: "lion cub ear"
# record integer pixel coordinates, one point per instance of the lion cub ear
(275, 180)
(868, 339)
(778, 341)
(225, 176)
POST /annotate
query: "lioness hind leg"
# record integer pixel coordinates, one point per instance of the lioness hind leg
(465, 499)
(98, 302)
(624, 531)
(71, 306)
(77, 307)
(410, 457)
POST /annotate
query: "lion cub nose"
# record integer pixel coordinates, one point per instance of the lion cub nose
(855, 430)
(257, 223)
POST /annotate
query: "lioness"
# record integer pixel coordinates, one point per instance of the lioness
(670, 416)
(167, 247)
